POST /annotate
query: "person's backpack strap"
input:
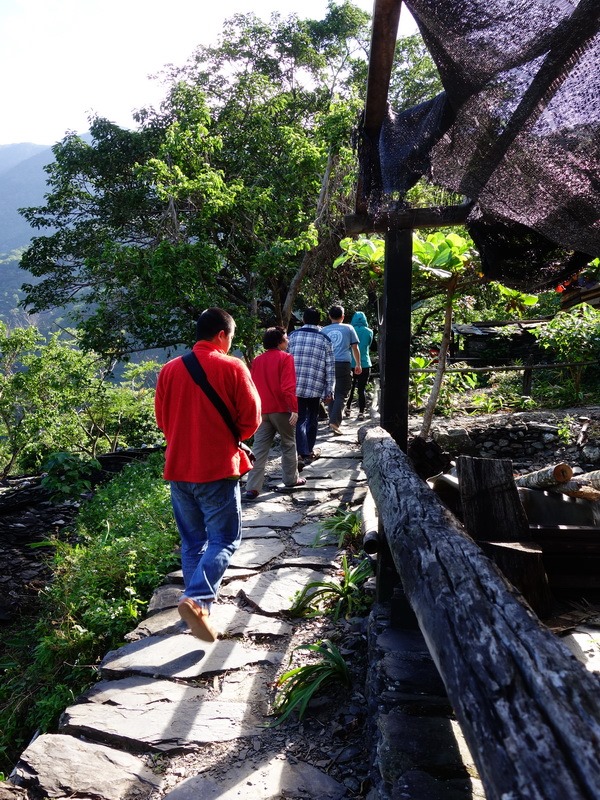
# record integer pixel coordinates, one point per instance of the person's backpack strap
(196, 370)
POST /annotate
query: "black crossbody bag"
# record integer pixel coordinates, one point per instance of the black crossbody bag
(196, 370)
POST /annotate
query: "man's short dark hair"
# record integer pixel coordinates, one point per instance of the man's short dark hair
(311, 317)
(273, 337)
(336, 312)
(211, 321)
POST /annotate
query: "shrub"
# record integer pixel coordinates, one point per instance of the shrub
(121, 548)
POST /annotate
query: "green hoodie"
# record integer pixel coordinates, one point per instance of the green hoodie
(365, 337)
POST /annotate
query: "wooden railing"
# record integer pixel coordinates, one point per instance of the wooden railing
(529, 711)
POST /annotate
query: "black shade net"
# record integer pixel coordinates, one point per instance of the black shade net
(517, 131)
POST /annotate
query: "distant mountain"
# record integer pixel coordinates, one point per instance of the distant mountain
(13, 154)
(22, 183)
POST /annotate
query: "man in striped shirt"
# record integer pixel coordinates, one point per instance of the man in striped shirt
(315, 379)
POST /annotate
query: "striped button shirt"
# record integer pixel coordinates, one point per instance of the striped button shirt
(314, 362)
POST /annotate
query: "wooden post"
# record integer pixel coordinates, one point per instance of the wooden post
(491, 506)
(394, 356)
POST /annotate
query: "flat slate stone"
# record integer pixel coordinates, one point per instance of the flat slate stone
(273, 592)
(327, 509)
(335, 467)
(165, 596)
(228, 618)
(163, 623)
(182, 656)
(313, 557)
(62, 766)
(259, 533)
(308, 498)
(256, 553)
(276, 778)
(142, 714)
(269, 515)
(306, 534)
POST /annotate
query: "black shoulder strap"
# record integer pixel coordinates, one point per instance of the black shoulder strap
(197, 372)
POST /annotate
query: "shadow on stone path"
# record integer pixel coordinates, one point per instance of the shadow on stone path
(176, 718)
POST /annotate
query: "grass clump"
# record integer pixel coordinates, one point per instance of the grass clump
(344, 596)
(346, 525)
(298, 686)
(121, 548)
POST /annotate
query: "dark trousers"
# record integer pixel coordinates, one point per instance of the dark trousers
(307, 425)
(359, 382)
(343, 382)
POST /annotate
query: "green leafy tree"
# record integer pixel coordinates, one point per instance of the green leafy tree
(574, 336)
(54, 397)
(446, 271)
(232, 193)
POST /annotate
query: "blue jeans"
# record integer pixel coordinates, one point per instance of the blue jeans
(209, 519)
(307, 425)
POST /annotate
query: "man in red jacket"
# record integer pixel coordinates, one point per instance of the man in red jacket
(204, 463)
(274, 376)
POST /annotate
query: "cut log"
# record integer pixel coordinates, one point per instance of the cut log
(577, 488)
(491, 507)
(591, 478)
(530, 712)
(545, 478)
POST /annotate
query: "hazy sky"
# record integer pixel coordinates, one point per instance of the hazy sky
(60, 60)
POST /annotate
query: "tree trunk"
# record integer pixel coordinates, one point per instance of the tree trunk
(441, 367)
(309, 256)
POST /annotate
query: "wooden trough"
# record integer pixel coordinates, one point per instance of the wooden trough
(530, 712)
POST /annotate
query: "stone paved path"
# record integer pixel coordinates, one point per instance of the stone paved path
(165, 693)
(173, 718)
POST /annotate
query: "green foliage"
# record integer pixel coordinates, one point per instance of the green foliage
(122, 547)
(68, 474)
(574, 336)
(298, 686)
(490, 402)
(564, 429)
(420, 383)
(346, 525)
(217, 197)
(415, 78)
(54, 398)
(335, 597)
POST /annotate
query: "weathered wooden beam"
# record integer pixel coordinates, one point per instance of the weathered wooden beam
(384, 32)
(389, 219)
(530, 712)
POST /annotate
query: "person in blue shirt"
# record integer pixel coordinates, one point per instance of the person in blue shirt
(359, 382)
(345, 345)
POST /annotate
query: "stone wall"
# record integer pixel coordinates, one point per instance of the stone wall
(532, 440)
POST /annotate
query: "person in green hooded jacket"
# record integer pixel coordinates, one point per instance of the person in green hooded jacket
(359, 382)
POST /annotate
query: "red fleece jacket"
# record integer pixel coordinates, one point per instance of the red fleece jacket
(200, 446)
(274, 376)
